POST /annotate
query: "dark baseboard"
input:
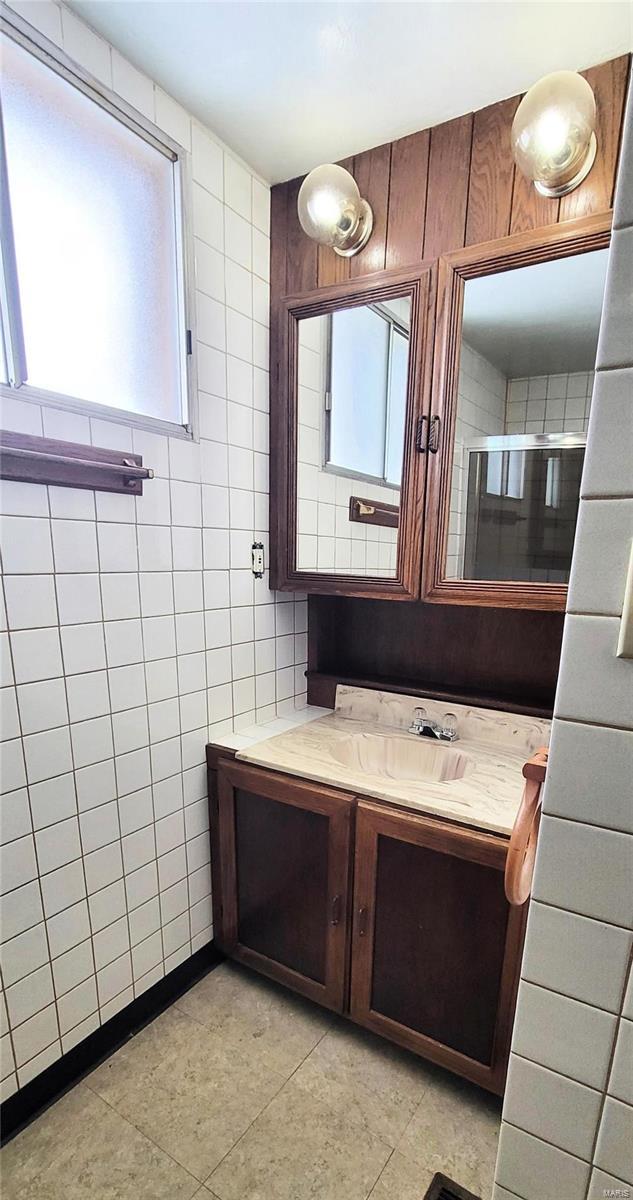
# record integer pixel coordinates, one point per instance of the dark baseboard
(34, 1097)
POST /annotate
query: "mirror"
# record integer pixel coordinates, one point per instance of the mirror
(524, 385)
(352, 391)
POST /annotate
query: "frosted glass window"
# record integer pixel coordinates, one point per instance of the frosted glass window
(368, 374)
(95, 228)
(516, 473)
(396, 407)
(359, 357)
(494, 473)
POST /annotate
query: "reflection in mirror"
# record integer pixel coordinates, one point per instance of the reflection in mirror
(352, 376)
(528, 350)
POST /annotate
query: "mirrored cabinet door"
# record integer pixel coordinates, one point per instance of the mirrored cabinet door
(517, 378)
(356, 373)
(352, 401)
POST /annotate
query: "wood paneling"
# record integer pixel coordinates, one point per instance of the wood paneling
(371, 172)
(301, 251)
(331, 267)
(530, 210)
(453, 184)
(407, 199)
(436, 190)
(447, 194)
(595, 194)
(495, 657)
(491, 173)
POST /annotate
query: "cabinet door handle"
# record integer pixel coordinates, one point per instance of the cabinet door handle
(362, 922)
(434, 435)
(420, 444)
(336, 910)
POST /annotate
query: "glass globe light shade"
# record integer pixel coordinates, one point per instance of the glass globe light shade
(553, 133)
(332, 212)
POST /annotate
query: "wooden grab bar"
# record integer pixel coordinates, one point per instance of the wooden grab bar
(522, 849)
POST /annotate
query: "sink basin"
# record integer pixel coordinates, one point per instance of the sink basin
(409, 757)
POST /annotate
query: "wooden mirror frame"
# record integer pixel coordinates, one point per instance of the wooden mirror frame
(418, 282)
(489, 258)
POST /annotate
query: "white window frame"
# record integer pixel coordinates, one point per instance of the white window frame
(47, 52)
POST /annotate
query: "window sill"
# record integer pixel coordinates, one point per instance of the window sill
(100, 412)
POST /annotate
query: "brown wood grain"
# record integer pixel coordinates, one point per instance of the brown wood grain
(301, 251)
(418, 283)
(286, 911)
(438, 980)
(407, 199)
(595, 193)
(447, 193)
(331, 267)
(371, 172)
(491, 173)
(493, 657)
(530, 210)
(28, 458)
(463, 199)
(487, 258)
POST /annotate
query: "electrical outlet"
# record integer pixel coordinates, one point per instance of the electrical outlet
(257, 559)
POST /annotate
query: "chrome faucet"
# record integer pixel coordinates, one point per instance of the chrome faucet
(423, 726)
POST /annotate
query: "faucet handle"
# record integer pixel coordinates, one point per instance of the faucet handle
(449, 722)
(419, 713)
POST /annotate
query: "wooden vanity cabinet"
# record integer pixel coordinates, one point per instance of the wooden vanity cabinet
(284, 859)
(435, 946)
(397, 919)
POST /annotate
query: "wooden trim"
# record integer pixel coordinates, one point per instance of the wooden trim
(31, 459)
(215, 755)
(417, 282)
(488, 850)
(373, 512)
(504, 254)
(339, 809)
(460, 841)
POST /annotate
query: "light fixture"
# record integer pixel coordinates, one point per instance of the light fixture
(553, 133)
(332, 212)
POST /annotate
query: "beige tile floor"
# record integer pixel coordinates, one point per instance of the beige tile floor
(243, 1091)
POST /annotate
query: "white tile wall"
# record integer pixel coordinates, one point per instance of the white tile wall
(135, 633)
(481, 412)
(568, 1115)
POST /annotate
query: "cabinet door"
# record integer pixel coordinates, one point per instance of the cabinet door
(285, 867)
(436, 948)
(352, 365)
(518, 322)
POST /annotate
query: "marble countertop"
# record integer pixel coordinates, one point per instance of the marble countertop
(491, 751)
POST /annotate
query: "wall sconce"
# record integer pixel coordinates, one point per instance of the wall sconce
(553, 133)
(332, 212)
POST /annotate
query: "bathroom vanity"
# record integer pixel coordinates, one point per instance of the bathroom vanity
(363, 865)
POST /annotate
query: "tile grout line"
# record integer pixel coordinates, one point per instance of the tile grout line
(605, 1089)
(267, 1105)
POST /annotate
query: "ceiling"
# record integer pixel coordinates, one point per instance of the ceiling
(538, 320)
(290, 85)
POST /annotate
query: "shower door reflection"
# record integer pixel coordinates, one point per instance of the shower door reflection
(521, 507)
